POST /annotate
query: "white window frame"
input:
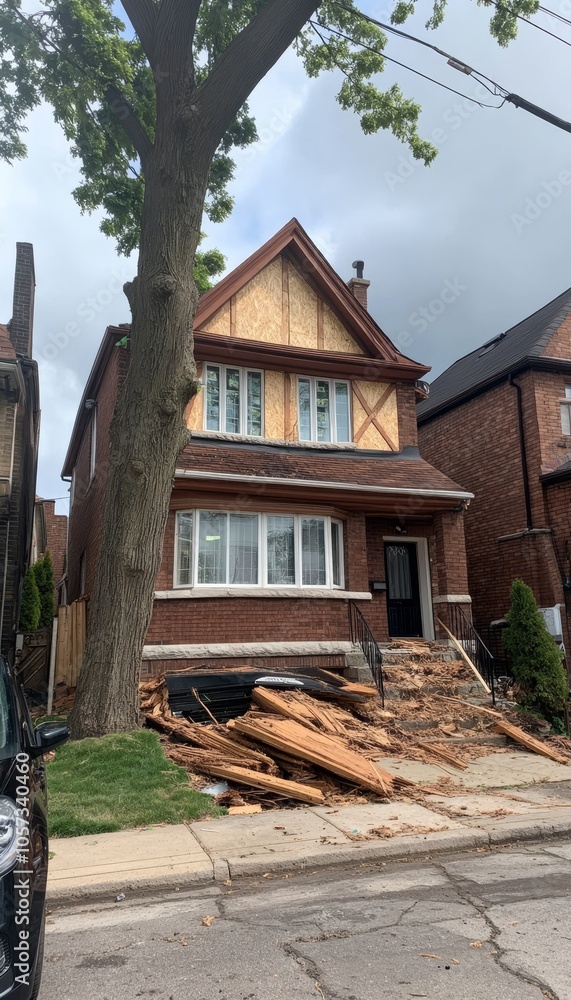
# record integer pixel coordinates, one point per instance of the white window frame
(243, 374)
(262, 583)
(565, 410)
(332, 382)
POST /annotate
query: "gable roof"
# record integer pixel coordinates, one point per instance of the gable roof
(6, 345)
(516, 348)
(294, 243)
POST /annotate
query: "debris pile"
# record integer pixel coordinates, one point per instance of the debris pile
(314, 739)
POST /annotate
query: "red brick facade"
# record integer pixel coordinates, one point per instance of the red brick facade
(477, 443)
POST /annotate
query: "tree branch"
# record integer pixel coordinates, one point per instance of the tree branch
(129, 121)
(247, 59)
(143, 16)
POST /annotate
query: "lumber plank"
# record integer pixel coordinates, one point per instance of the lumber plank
(465, 656)
(244, 776)
(529, 742)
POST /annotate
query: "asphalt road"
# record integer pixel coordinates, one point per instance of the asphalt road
(477, 926)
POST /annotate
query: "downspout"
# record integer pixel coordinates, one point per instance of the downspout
(524, 469)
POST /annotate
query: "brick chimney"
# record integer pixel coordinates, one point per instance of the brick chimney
(22, 323)
(358, 285)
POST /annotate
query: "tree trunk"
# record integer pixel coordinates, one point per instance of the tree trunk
(147, 435)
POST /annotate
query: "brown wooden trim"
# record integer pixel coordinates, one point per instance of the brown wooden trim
(316, 269)
(320, 335)
(285, 301)
(233, 316)
(298, 360)
(371, 415)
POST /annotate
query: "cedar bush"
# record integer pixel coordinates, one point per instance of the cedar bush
(44, 572)
(31, 608)
(537, 662)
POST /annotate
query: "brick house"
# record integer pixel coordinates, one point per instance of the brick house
(499, 422)
(19, 433)
(301, 487)
(50, 532)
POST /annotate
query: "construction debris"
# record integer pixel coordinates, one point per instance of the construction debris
(317, 739)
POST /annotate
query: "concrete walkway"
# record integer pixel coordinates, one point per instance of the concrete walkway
(278, 841)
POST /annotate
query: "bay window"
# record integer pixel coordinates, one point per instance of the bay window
(216, 548)
(233, 400)
(323, 409)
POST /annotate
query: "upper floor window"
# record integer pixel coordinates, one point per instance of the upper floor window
(234, 401)
(323, 409)
(215, 548)
(565, 407)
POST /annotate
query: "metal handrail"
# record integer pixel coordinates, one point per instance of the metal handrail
(475, 647)
(361, 635)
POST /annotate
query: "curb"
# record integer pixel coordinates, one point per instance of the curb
(488, 835)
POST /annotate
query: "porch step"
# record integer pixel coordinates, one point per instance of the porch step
(396, 657)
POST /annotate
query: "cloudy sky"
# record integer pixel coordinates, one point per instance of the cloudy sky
(489, 220)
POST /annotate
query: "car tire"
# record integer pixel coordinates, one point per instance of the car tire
(39, 961)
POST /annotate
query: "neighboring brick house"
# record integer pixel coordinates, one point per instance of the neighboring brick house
(499, 422)
(301, 487)
(50, 532)
(19, 432)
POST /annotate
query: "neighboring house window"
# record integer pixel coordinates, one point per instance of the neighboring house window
(93, 444)
(565, 407)
(215, 548)
(82, 575)
(234, 401)
(323, 410)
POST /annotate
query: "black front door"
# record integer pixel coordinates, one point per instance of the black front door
(403, 592)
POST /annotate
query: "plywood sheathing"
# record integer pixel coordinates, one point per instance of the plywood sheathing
(220, 322)
(366, 398)
(274, 405)
(259, 306)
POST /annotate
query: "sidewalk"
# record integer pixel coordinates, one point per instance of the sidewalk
(282, 841)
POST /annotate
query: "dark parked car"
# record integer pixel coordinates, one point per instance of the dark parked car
(23, 839)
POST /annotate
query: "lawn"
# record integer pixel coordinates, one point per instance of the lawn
(118, 782)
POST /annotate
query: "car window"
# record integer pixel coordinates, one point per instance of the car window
(8, 741)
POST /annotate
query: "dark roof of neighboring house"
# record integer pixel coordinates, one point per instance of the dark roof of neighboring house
(562, 472)
(6, 345)
(497, 357)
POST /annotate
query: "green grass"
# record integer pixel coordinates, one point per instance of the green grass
(119, 782)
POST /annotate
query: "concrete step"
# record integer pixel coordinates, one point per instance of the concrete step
(361, 674)
(396, 657)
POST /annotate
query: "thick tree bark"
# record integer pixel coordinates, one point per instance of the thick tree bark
(148, 431)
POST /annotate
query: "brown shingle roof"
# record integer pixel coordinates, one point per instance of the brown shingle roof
(352, 469)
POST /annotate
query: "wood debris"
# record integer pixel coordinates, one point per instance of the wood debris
(529, 742)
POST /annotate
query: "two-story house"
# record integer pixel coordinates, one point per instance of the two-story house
(19, 436)
(301, 488)
(499, 421)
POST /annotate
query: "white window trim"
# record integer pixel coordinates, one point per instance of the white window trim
(565, 412)
(262, 555)
(332, 382)
(244, 372)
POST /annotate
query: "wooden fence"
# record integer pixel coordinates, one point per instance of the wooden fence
(71, 635)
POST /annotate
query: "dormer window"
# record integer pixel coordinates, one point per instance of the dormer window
(323, 410)
(234, 402)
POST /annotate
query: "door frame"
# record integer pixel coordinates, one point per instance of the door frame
(424, 580)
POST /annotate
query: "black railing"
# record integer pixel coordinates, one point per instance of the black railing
(474, 646)
(362, 636)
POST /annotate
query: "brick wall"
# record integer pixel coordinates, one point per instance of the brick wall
(477, 444)
(56, 539)
(21, 324)
(85, 516)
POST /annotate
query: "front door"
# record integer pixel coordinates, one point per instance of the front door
(403, 592)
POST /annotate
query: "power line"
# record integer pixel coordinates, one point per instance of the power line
(502, 6)
(515, 99)
(383, 55)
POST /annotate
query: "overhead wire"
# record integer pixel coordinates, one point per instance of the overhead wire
(390, 59)
(502, 6)
(499, 91)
